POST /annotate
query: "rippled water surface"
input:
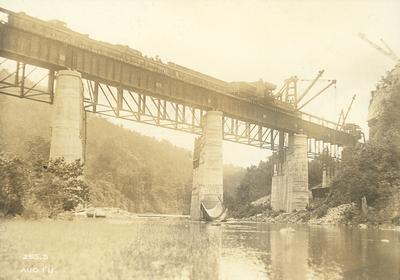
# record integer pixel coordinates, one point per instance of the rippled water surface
(259, 251)
(169, 248)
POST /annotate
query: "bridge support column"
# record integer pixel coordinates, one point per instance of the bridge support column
(207, 188)
(289, 190)
(67, 132)
(326, 177)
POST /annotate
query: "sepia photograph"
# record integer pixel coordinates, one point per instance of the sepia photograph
(200, 139)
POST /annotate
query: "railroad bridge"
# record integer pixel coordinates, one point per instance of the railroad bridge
(84, 75)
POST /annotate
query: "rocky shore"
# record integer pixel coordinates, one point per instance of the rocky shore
(111, 213)
(340, 215)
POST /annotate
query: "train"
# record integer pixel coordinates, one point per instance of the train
(255, 90)
(260, 92)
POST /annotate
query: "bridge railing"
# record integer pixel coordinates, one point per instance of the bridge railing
(35, 83)
(318, 120)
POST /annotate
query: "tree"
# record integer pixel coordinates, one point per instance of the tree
(14, 181)
(314, 173)
(371, 171)
(255, 184)
(31, 186)
(60, 186)
(316, 167)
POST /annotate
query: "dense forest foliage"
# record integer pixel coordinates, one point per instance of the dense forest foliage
(123, 168)
(154, 175)
(374, 169)
(256, 183)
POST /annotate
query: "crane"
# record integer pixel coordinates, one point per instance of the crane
(349, 127)
(388, 52)
(288, 92)
(307, 90)
(332, 82)
(343, 116)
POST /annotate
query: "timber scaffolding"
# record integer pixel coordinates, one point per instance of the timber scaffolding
(121, 82)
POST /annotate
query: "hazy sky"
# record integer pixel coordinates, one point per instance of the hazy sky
(246, 40)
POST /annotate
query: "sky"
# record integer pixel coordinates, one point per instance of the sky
(244, 41)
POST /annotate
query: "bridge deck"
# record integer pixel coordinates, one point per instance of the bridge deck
(54, 47)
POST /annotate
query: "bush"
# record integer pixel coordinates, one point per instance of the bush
(60, 187)
(352, 216)
(321, 211)
(248, 210)
(14, 181)
(33, 209)
(35, 190)
(396, 220)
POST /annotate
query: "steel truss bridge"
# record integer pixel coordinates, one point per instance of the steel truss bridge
(120, 82)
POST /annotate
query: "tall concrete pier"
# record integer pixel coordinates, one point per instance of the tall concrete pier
(67, 131)
(289, 189)
(207, 186)
(325, 182)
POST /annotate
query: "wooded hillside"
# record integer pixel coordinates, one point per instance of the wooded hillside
(123, 168)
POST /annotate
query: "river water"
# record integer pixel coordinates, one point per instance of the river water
(176, 248)
(263, 251)
(260, 251)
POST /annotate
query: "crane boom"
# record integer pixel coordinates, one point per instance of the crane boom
(343, 116)
(389, 52)
(310, 86)
(318, 94)
(348, 109)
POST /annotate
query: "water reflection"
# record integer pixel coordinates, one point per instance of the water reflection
(192, 250)
(301, 252)
(205, 249)
(289, 251)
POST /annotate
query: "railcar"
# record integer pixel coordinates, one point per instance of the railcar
(258, 92)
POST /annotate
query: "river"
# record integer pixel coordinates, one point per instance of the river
(261, 251)
(176, 248)
(267, 251)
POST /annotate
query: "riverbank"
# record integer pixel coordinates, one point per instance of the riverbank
(345, 214)
(319, 213)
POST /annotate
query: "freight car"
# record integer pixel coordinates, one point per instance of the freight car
(258, 92)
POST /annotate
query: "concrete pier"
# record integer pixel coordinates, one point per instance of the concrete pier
(67, 131)
(208, 166)
(289, 190)
(326, 178)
